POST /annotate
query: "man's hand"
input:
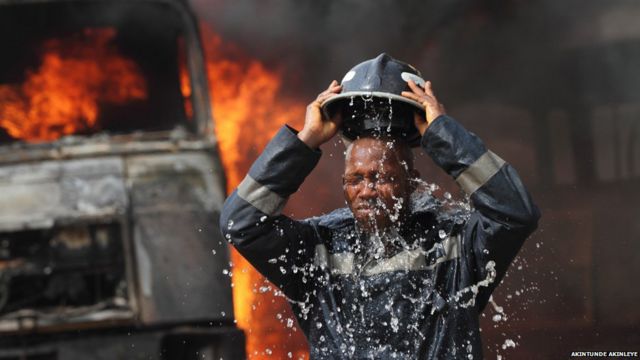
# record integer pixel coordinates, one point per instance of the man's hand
(428, 99)
(318, 130)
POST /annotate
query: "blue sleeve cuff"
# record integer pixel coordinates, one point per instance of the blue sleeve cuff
(451, 146)
(285, 163)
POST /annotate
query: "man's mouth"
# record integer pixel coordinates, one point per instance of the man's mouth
(367, 210)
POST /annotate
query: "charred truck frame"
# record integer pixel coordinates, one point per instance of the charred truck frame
(109, 192)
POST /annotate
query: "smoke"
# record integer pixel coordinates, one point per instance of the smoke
(490, 49)
(317, 41)
(532, 57)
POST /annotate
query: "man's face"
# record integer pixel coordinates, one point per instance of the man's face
(376, 183)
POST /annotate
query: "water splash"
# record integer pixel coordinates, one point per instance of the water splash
(447, 208)
(471, 292)
(353, 317)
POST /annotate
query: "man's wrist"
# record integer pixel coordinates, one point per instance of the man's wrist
(311, 141)
(433, 120)
(422, 127)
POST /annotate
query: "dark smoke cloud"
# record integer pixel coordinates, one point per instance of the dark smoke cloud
(532, 55)
(493, 49)
(317, 41)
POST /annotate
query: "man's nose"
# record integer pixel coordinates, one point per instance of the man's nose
(369, 190)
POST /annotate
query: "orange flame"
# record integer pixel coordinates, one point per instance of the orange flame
(62, 96)
(78, 74)
(248, 112)
(185, 81)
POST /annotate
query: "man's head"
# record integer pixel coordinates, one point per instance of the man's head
(377, 181)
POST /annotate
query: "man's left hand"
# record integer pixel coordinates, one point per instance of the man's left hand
(317, 130)
(428, 99)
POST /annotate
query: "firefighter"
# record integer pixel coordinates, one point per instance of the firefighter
(383, 278)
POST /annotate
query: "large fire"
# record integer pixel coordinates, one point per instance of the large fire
(248, 112)
(63, 95)
(76, 75)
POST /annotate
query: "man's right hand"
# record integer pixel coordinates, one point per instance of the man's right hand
(318, 130)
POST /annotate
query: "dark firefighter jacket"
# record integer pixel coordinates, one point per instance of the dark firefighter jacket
(420, 302)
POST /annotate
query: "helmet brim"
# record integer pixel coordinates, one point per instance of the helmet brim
(402, 106)
(366, 94)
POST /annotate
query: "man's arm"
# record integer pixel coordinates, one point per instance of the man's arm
(251, 217)
(505, 214)
(277, 246)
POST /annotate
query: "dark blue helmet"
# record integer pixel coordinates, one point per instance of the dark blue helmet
(371, 102)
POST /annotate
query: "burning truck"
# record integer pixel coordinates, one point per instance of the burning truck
(110, 186)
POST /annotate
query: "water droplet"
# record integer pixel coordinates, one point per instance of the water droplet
(508, 343)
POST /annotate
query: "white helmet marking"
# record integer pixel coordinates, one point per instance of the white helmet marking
(348, 76)
(406, 76)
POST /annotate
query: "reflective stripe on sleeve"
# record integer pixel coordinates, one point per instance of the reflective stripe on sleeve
(480, 172)
(260, 197)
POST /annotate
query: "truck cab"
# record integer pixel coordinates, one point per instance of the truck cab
(110, 186)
